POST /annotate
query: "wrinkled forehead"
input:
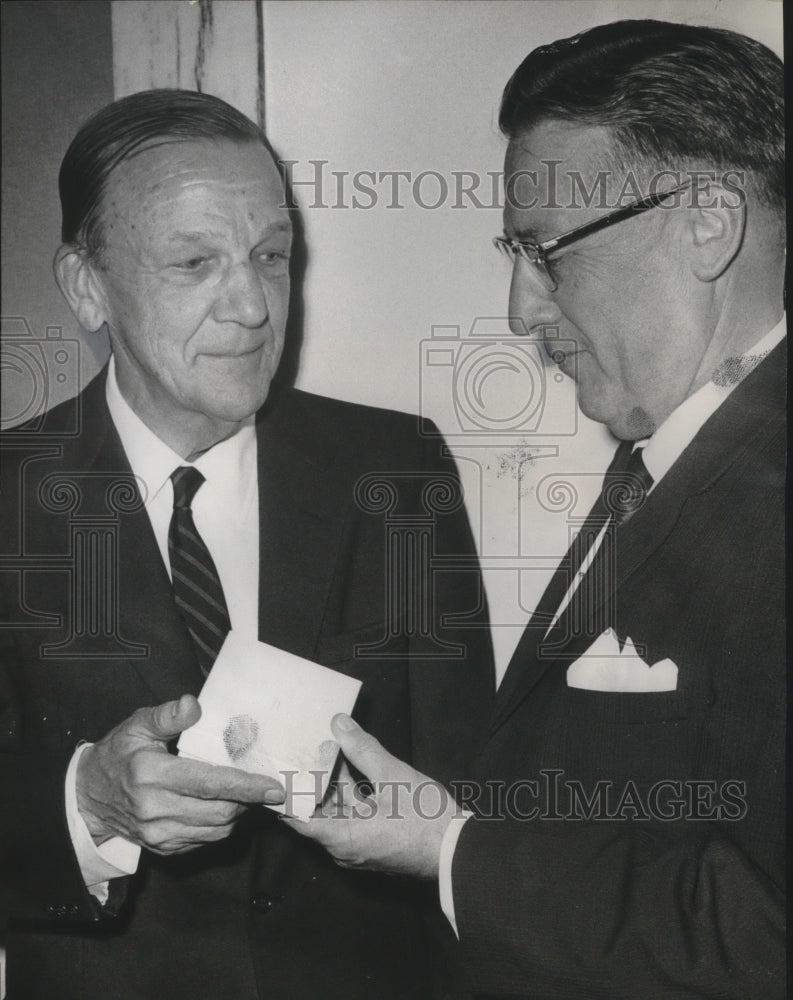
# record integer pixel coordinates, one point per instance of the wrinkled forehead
(168, 172)
(554, 147)
(548, 166)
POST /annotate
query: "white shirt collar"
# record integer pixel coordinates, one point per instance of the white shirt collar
(681, 426)
(152, 461)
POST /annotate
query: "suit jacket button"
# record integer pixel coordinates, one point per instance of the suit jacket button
(262, 903)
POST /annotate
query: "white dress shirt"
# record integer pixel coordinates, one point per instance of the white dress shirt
(226, 514)
(660, 453)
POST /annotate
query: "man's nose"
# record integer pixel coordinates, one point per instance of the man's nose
(242, 299)
(531, 305)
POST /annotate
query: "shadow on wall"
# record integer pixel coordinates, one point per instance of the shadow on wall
(290, 360)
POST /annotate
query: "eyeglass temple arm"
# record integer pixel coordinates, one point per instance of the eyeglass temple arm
(573, 235)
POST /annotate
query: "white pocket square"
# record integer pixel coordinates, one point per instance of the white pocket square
(606, 667)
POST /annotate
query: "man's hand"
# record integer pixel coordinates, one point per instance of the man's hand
(396, 829)
(129, 785)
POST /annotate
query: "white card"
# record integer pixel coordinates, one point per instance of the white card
(268, 711)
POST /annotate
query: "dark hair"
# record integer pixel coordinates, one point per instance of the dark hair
(123, 128)
(672, 93)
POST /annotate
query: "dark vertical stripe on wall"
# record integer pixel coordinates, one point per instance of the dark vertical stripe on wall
(57, 69)
(204, 38)
(260, 64)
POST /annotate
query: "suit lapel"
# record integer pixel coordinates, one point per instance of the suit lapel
(302, 512)
(621, 553)
(146, 613)
(170, 668)
(751, 411)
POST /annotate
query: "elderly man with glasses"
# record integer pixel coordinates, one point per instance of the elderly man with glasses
(623, 836)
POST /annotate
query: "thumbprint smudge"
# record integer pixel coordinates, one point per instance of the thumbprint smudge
(240, 735)
(640, 423)
(733, 370)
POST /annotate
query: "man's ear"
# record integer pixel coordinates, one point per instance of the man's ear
(718, 225)
(81, 287)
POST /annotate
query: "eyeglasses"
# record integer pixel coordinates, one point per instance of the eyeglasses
(536, 254)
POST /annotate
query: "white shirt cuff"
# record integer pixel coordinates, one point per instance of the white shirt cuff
(112, 859)
(448, 846)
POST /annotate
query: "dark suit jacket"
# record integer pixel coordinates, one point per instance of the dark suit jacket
(643, 906)
(264, 913)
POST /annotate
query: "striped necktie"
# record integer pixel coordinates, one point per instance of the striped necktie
(196, 585)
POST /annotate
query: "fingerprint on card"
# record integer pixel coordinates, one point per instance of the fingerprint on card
(239, 736)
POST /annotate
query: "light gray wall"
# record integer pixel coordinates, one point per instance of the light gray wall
(415, 86)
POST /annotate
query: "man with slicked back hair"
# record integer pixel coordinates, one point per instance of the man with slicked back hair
(625, 836)
(186, 491)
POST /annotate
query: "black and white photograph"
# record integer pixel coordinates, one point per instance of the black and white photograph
(392, 500)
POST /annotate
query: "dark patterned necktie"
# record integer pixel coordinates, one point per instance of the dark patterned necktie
(624, 490)
(196, 584)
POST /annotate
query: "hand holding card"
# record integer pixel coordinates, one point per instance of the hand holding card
(268, 711)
